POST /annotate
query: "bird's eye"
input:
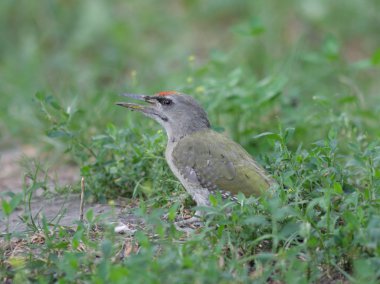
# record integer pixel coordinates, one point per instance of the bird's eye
(165, 102)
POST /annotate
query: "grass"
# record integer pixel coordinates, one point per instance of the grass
(295, 83)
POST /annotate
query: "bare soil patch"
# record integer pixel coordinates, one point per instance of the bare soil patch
(56, 209)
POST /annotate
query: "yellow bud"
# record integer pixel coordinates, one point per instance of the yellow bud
(16, 261)
(133, 73)
(200, 90)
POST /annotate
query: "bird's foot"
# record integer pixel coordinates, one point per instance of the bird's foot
(122, 228)
(188, 225)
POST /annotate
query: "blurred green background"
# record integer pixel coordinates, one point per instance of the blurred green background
(295, 82)
(254, 65)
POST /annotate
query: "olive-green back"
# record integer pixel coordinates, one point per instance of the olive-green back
(220, 163)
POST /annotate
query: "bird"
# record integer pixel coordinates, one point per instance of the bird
(203, 160)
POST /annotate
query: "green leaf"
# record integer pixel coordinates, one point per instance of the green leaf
(257, 220)
(7, 209)
(270, 88)
(101, 137)
(331, 47)
(55, 133)
(106, 246)
(338, 188)
(333, 133)
(270, 135)
(375, 59)
(15, 201)
(90, 215)
(289, 132)
(40, 96)
(213, 200)
(53, 103)
(254, 28)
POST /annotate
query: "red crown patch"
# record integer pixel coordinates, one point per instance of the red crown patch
(167, 93)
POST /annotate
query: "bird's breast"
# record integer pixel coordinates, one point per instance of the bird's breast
(169, 158)
(185, 173)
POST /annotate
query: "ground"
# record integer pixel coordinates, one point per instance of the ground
(294, 82)
(52, 205)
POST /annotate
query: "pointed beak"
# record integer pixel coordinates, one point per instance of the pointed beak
(150, 110)
(136, 107)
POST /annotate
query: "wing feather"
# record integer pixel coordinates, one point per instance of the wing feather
(219, 164)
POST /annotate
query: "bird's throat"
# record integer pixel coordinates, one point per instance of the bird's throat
(177, 133)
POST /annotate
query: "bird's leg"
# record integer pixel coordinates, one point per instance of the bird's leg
(193, 220)
(201, 198)
(122, 228)
(188, 225)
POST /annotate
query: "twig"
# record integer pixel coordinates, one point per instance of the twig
(82, 185)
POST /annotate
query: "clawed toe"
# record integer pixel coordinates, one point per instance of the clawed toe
(188, 225)
(124, 229)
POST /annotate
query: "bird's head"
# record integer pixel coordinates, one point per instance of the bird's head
(179, 114)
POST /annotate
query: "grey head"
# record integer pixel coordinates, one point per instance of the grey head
(178, 113)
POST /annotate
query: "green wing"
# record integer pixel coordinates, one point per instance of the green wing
(219, 164)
